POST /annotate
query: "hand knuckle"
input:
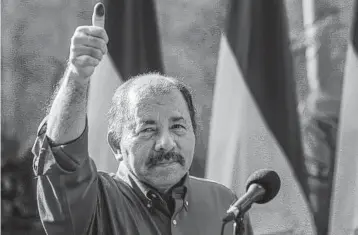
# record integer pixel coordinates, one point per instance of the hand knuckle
(103, 44)
(91, 39)
(75, 49)
(93, 53)
(76, 39)
(88, 60)
(98, 54)
(81, 29)
(95, 62)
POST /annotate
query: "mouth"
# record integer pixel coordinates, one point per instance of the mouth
(167, 159)
(166, 163)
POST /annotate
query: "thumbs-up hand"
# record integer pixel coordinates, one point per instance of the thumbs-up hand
(88, 45)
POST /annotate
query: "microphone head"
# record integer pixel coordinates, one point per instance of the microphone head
(269, 180)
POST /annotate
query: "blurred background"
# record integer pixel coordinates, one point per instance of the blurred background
(35, 43)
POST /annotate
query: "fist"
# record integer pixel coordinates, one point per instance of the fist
(88, 45)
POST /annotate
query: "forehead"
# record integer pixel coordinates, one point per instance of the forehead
(157, 101)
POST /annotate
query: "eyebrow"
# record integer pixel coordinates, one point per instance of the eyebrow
(152, 122)
(177, 119)
(147, 122)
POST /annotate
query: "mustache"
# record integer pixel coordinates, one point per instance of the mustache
(155, 158)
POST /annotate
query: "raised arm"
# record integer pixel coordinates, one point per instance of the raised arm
(67, 117)
(66, 176)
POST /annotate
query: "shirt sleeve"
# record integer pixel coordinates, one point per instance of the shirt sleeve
(66, 183)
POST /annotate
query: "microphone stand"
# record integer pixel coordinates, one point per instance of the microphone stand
(239, 227)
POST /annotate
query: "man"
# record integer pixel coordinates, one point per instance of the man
(152, 135)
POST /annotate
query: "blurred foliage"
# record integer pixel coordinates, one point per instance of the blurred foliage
(19, 214)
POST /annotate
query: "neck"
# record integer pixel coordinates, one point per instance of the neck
(164, 189)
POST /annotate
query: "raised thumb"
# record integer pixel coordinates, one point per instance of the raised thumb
(98, 15)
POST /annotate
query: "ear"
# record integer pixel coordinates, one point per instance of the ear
(114, 146)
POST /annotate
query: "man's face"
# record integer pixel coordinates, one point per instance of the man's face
(158, 140)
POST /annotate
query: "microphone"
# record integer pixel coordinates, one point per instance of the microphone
(261, 187)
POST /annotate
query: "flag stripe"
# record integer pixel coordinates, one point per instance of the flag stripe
(344, 212)
(344, 202)
(104, 81)
(134, 44)
(264, 57)
(241, 143)
(254, 123)
(354, 37)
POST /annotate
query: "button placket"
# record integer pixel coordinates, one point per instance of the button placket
(149, 204)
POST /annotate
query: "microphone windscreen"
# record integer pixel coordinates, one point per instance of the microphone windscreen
(269, 180)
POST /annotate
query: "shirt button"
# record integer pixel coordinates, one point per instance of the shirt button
(36, 165)
(174, 222)
(154, 196)
(149, 205)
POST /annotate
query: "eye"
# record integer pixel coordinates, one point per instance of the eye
(178, 126)
(148, 130)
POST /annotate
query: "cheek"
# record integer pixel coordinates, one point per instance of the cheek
(138, 153)
(188, 145)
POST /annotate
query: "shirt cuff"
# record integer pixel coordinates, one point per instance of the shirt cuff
(58, 159)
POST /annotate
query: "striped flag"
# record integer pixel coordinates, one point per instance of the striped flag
(344, 204)
(133, 48)
(254, 122)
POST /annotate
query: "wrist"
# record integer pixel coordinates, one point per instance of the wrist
(73, 75)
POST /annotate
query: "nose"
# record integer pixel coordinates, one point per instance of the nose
(165, 142)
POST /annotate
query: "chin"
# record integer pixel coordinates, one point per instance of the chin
(167, 174)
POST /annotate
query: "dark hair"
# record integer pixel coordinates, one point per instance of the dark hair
(119, 113)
